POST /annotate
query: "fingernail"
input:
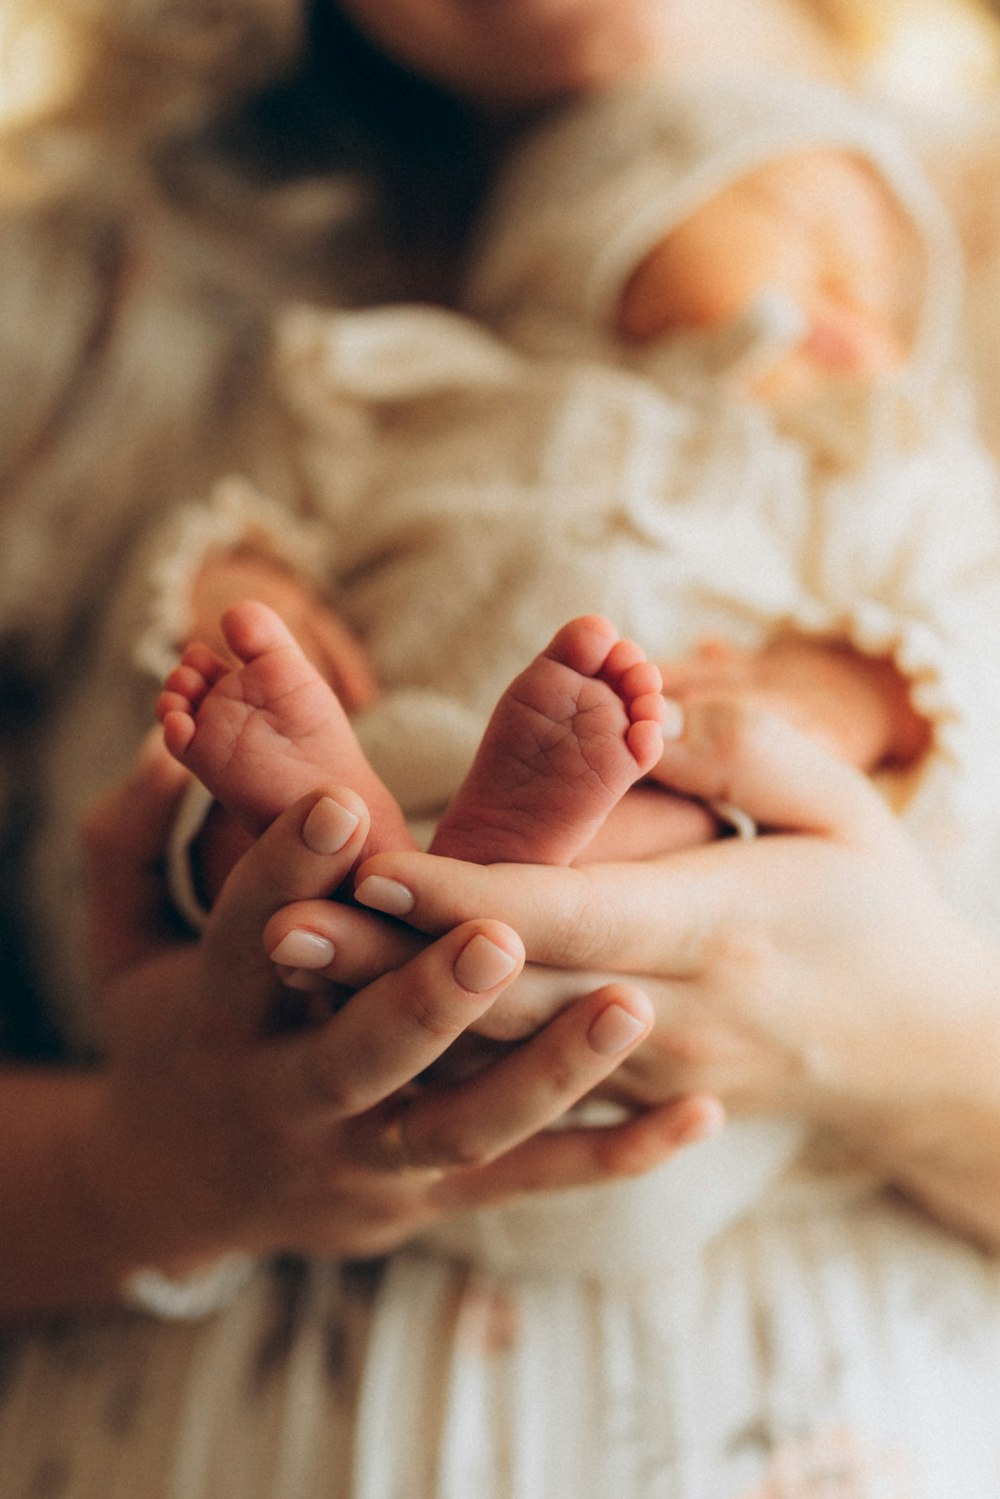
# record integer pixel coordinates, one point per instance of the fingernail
(385, 895)
(328, 826)
(613, 1030)
(481, 964)
(303, 950)
(673, 719)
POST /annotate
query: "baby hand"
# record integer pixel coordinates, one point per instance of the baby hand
(228, 578)
(857, 706)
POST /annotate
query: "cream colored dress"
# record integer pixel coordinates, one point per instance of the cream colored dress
(742, 1324)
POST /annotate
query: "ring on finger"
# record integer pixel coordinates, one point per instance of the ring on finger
(394, 1147)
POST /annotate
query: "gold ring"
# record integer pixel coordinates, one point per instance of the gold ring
(738, 823)
(394, 1148)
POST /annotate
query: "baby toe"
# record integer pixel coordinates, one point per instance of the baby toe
(641, 679)
(623, 656)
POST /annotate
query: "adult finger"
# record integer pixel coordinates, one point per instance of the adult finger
(555, 1160)
(331, 948)
(340, 943)
(527, 1089)
(645, 918)
(731, 751)
(305, 853)
(728, 752)
(618, 916)
(631, 916)
(395, 1027)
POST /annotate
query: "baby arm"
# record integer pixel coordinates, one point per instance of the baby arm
(858, 706)
(227, 577)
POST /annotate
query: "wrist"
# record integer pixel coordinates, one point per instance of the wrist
(57, 1251)
(135, 1200)
(141, 1266)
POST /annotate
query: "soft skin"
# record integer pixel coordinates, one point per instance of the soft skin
(207, 1133)
(816, 971)
(103, 1170)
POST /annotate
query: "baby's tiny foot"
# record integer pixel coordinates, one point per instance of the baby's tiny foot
(262, 733)
(568, 738)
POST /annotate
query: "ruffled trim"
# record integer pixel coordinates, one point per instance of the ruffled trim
(943, 793)
(194, 806)
(385, 354)
(236, 516)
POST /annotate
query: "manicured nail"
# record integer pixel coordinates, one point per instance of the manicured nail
(673, 719)
(328, 826)
(481, 964)
(303, 950)
(613, 1030)
(385, 895)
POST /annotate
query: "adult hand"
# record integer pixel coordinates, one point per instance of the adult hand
(216, 1132)
(815, 970)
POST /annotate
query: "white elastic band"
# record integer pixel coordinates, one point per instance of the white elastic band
(741, 822)
(192, 810)
(193, 1297)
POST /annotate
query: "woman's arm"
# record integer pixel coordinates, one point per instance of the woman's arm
(816, 970)
(53, 1251)
(212, 1130)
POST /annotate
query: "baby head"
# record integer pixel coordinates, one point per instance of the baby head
(663, 209)
(819, 227)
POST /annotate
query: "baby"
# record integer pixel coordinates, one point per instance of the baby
(571, 734)
(720, 408)
(713, 403)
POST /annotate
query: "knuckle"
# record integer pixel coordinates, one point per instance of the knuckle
(426, 1013)
(453, 1150)
(563, 1080)
(743, 948)
(326, 1083)
(679, 1047)
(587, 928)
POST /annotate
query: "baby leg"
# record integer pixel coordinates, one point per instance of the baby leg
(262, 733)
(568, 738)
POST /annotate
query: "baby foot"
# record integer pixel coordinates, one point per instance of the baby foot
(568, 738)
(264, 732)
